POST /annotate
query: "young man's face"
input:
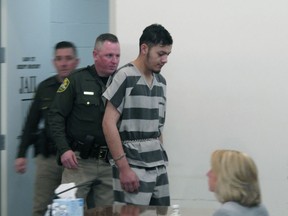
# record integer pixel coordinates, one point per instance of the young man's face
(157, 57)
(65, 62)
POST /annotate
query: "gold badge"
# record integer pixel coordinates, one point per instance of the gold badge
(64, 85)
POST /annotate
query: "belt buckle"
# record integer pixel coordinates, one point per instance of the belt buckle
(103, 153)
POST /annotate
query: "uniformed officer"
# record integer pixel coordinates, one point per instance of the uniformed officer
(75, 120)
(48, 173)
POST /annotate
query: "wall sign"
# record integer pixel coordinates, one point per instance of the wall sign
(28, 84)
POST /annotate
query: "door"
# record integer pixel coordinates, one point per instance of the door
(1, 136)
(1, 144)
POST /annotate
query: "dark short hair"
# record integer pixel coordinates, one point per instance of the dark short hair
(65, 44)
(155, 34)
(105, 37)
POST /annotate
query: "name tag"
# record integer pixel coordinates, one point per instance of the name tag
(88, 93)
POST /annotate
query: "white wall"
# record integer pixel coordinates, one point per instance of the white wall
(227, 87)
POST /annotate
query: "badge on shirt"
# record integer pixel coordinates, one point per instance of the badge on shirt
(64, 85)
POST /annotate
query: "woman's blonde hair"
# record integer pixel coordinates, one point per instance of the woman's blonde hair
(237, 177)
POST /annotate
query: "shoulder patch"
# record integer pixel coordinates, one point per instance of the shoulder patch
(63, 86)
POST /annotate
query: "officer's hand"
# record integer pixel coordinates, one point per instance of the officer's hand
(129, 180)
(20, 165)
(69, 160)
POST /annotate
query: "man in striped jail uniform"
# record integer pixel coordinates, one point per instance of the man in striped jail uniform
(133, 123)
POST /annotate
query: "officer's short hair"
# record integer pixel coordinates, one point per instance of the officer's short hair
(65, 44)
(105, 37)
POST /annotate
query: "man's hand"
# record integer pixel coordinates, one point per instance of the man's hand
(69, 160)
(129, 180)
(20, 165)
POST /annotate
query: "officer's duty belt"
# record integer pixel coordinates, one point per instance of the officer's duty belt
(100, 152)
(96, 152)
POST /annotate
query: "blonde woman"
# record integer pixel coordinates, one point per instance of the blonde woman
(233, 178)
